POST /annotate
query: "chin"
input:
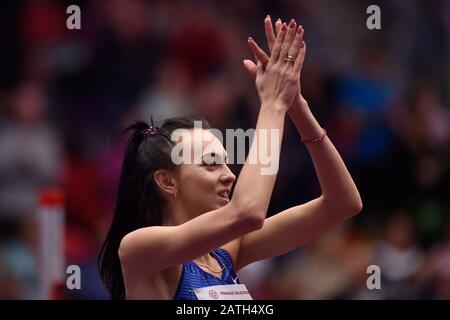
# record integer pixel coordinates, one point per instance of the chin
(221, 204)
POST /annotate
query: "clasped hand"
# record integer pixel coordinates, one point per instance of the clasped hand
(278, 76)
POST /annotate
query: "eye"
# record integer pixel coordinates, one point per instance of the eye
(210, 159)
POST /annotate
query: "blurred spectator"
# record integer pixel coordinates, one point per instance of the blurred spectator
(423, 126)
(30, 156)
(435, 274)
(325, 269)
(399, 257)
(171, 94)
(364, 98)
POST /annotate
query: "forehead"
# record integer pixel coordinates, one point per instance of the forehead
(201, 138)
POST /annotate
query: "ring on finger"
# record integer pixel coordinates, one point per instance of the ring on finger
(289, 58)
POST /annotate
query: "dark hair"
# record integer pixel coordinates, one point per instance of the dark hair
(139, 200)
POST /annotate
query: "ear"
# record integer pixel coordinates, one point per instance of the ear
(166, 181)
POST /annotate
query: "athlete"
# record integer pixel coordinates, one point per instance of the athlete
(177, 233)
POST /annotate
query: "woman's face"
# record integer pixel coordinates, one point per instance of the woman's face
(204, 184)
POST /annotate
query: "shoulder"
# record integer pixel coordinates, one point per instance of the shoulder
(140, 254)
(137, 247)
(148, 238)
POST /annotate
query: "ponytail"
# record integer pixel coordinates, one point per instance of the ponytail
(139, 201)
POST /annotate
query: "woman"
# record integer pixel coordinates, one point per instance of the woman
(177, 235)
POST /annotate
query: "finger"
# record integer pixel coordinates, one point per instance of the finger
(298, 40)
(250, 66)
(259, 69)
(300, 58)
(287, 43)
(270, 35)
(277, 47)
(278, 26)
(258, 52)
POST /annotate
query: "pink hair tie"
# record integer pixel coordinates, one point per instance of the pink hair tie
(151, 131)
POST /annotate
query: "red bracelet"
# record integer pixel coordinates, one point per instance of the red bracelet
(316, 139)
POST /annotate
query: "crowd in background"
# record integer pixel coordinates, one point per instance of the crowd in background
(382, 95)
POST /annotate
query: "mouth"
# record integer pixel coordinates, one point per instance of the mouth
(225, 195)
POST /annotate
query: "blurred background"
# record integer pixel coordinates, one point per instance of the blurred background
(382, 95)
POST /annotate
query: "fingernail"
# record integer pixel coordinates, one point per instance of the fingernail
(268, 17)
(299, 29)
(284, 27)
(292, 23)
(250, 39)
(278, 19)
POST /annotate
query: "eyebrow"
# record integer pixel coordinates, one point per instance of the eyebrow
(217, 154)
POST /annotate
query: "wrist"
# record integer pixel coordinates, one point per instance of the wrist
(275, 106)
(299, 103)
(299, 112)
(304, 120)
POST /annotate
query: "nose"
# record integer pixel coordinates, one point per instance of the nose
(227, 177)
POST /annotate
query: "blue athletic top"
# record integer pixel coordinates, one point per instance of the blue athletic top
(193, 277)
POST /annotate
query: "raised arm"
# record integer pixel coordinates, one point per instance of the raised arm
(340, 198)
(336, 183)
(156, 248)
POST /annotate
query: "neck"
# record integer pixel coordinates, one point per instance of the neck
(176, 213)
(209, 262)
